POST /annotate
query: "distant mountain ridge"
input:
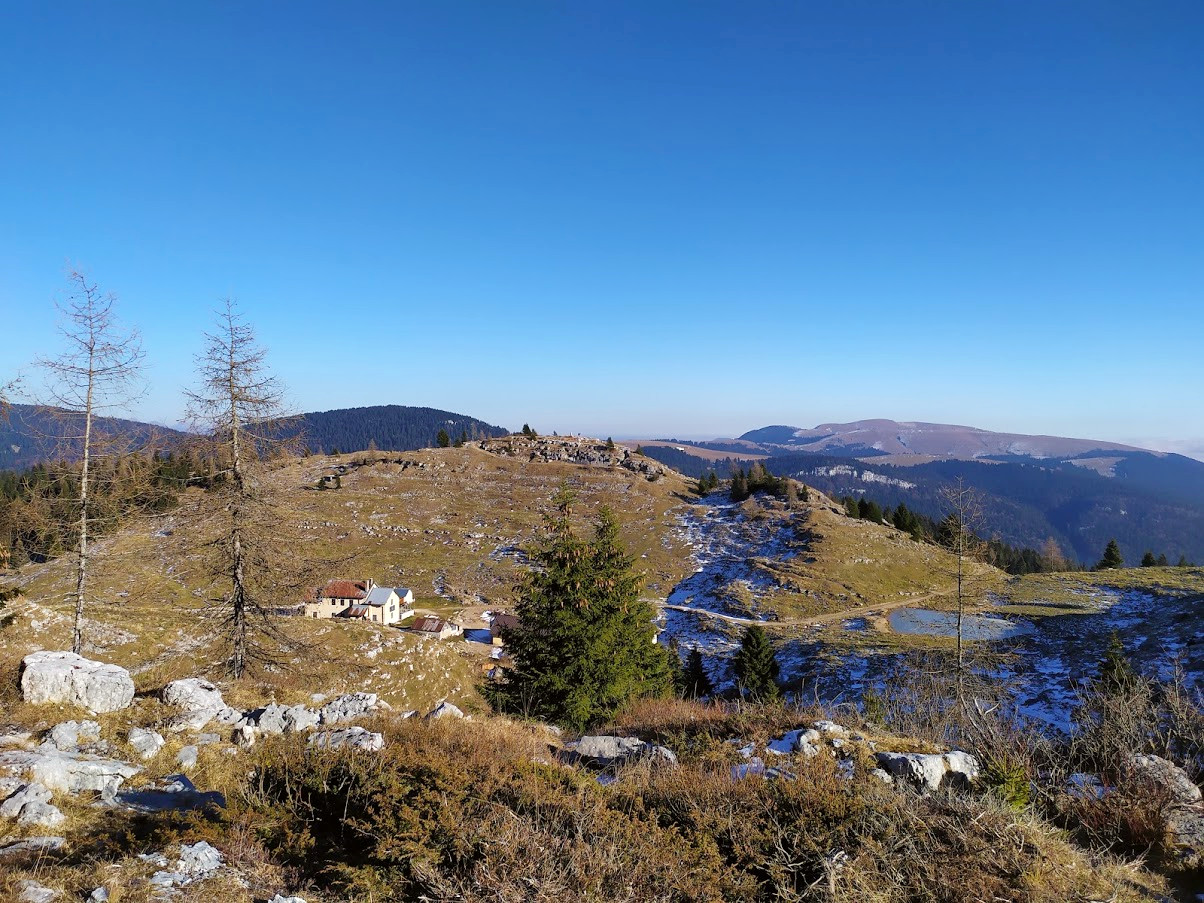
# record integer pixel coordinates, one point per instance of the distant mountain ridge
(943, 440)
(26, 437)
(1081, 492)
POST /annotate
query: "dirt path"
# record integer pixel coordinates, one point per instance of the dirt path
(814, 620)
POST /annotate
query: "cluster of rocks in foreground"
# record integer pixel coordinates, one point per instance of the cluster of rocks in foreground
(71, 758)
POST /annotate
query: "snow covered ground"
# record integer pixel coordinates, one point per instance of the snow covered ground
(1047, 667)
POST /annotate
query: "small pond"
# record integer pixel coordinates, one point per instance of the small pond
(923, 622)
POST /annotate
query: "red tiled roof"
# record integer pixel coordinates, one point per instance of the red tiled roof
(345, 589)
(428, 624)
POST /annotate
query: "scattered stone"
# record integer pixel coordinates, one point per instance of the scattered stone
(187, 757)
(882, 775)
(197, 862)
(753, 767)
(604, 751)
(32, 845)
(245, 736)
(70, 734)
(930, 772)
(279, 719)
(30, 891)
(28, 793)
(348, 708)
(1155, 769)
(279, 898)
(444, 710)
(40, 815)
(208, 739)
(354, 737)
(800, 741)
(15, 738)
(146, 742)
(64, 677)
(71, 772)
(176, 793)
(830, 729)
(99, 895)
(202, 703)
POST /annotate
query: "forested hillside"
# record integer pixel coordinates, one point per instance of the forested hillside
(1150, 503)
(389, 427)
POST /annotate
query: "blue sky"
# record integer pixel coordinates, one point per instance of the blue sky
(684, 219)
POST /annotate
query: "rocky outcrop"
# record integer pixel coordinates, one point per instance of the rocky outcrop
(71, 734)
(352, 737)
(197, 862)
(444, 710)
(30, 891)
(145, 742)
(70, 772)
(201, 702)
(349, 707)
(1181, 789)
(279, 719)
(64, 677)
(603, 751)
(31, 806)
(930, 771)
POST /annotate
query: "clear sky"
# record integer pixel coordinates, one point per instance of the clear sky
(630, 219)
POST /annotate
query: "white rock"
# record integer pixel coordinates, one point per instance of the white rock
(245, 736)
(348, 708)
(930, 771)
(1164, 773)
(187, 757)
(830, 729)
(282, 899)
(30, 891)
(192, 694)
(70, 734)
(29, 793)
(64, 677)
(41, 815)
(199, 859)
(69, 771)
(354, 737)
(99, 895)
(444, 710)
(146, 742)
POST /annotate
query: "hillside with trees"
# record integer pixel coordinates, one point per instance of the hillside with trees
(388, 427)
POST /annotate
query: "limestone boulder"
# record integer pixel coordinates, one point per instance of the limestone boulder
(930, 771)
(352, 737)
(64, 677)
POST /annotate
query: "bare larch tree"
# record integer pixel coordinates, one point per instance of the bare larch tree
(239, 408)
(96, 375)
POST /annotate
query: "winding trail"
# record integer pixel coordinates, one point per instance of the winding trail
(811, 620)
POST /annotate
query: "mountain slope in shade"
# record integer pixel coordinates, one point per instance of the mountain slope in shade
(28, 435)
(26, 438)
(889, 437)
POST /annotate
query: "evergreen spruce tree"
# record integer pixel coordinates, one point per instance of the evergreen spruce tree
(1116, 674)
(1183, 562)
(695, 683)
(1112, 557)
(755, 666)
(1162, 561)
(584, 645)
(443, 439)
